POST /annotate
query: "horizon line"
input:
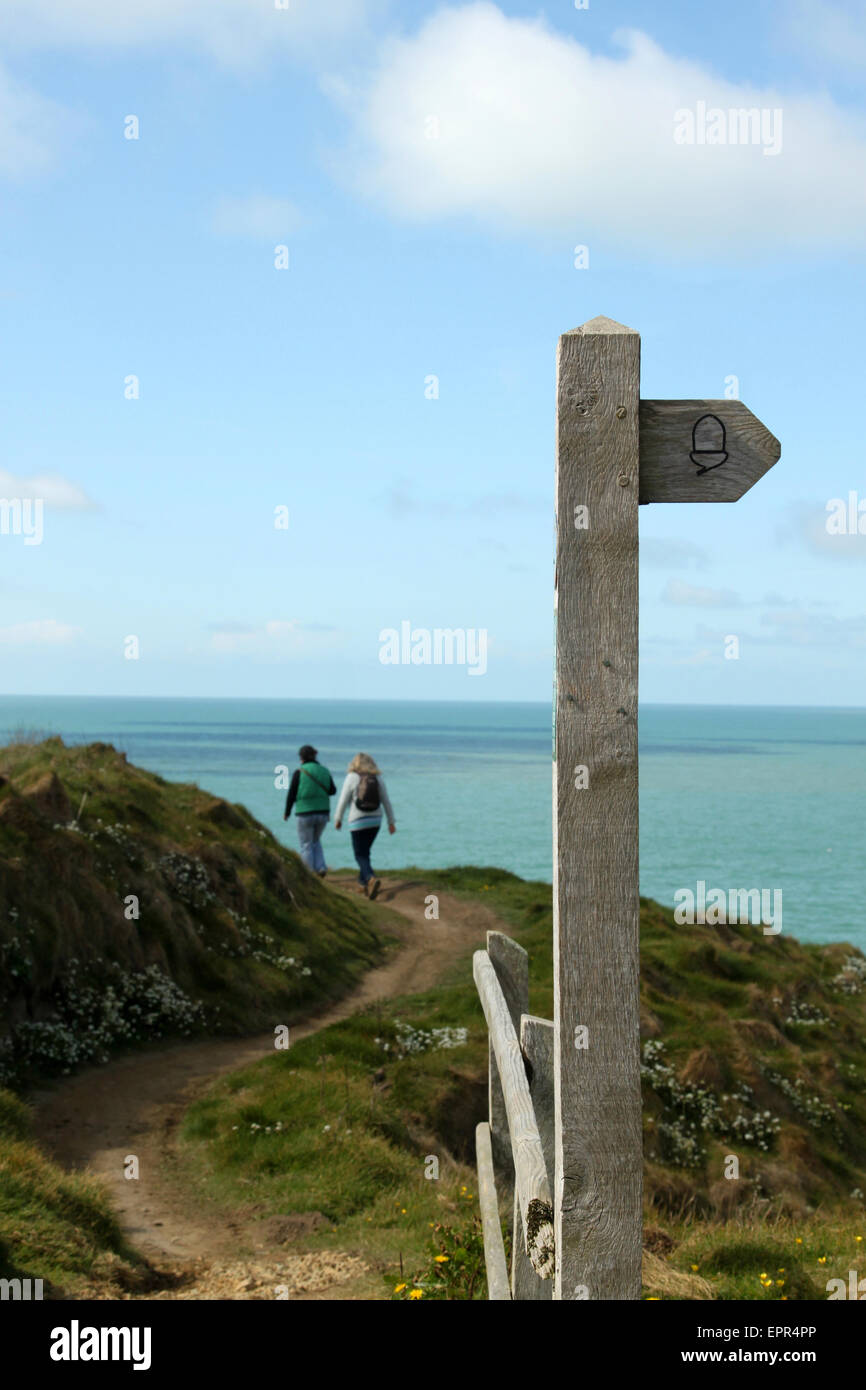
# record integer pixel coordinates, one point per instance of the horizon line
(384, 700)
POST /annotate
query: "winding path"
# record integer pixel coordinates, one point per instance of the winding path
(135, 1105)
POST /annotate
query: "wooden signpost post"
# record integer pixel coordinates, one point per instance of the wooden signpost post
(614, 452)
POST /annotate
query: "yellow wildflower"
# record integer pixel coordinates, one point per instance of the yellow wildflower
(442, 1259)
(399, 1288)
(416, 1293)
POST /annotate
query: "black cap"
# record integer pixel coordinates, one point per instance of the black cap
(307, 753)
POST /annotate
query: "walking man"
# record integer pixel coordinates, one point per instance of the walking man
(310, 792)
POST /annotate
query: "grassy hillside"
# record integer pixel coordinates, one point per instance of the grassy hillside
(752, 1046)
(132, 908)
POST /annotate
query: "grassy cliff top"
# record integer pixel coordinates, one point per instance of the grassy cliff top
(132, 908)
(752, 1048)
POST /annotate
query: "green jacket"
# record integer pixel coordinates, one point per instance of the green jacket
(314, 788)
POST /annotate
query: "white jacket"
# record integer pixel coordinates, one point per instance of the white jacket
(359, 820)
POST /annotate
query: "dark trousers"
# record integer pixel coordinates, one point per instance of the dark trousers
(362, 843)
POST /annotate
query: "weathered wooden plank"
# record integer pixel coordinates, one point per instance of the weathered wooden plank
(511, 964)
(536, 1044)
(702, 451)
(530, 1175)
(598, 1108)
(494, 1247)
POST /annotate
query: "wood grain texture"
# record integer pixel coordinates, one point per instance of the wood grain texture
(530, 1173)
(536, 1044)
(494, 1249)
(669, 474)
(598, 1141)
(511, 964)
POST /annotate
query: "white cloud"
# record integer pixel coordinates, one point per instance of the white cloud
(278, 636)
(402, 500)
(52, 488)
(703, 657)
(231, 629)
(698, 596)
(671, 553)
(531, 131)
(796, 625)
(801, 627)
(30, 127)
(44, 632)
(257, 216)
(235, 32)
(806, 522)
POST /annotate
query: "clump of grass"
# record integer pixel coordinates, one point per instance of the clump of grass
(56, 1226)
(661, 1281)
(454, 1266)
(23, 736)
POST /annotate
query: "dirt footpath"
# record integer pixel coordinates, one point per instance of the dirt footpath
(135, 1106)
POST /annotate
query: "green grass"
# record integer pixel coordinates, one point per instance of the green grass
(769, 1262)
(354, 1136)
(358, 1122)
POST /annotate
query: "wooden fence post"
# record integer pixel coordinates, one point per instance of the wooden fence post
(536, 1044)
(531, 1183)
(495, 1266)
(511, 964)
(598, 1148)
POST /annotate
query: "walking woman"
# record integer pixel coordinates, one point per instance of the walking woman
(364, 789)
(310, 792)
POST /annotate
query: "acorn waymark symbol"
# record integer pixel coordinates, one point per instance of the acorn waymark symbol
(708, 444)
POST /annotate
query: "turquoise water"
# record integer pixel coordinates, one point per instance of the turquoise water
(741, 798)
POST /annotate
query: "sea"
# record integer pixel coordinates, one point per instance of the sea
(734, 798)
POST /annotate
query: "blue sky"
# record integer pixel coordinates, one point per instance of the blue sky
(409, 257)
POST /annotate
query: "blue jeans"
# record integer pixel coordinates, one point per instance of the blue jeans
(310, 830)
(362, 843)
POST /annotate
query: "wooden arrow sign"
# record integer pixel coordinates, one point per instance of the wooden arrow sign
(702, 451)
